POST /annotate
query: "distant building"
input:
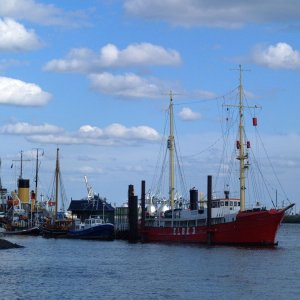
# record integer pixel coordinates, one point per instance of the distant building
(96, 206)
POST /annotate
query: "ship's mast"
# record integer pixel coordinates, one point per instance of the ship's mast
(0, 173)
(56, 181)
(171, 155)
(21, 164)
(36, 172)
(21, 172)
(242, 156)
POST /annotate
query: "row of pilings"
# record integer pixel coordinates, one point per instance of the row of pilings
(136, 228)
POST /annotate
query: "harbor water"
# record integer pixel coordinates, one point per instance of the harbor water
(77, 269)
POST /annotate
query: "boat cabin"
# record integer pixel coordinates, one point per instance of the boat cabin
(223, 210)
(88, 223)
(227, 202)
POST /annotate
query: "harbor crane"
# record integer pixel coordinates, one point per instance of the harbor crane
(91, 194)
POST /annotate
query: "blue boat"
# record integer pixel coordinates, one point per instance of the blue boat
(93, 228)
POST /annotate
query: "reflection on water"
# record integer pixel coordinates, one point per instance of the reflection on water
(75, 269)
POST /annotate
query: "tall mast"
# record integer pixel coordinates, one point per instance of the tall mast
(56, 181)
(242, 156)
(0, 173)
(171, 155)
(21, 163)
(36, 172)
(21, 171)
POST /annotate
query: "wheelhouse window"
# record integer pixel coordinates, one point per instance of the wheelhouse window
(215, 204)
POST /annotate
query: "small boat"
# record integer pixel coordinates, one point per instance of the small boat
(223, 220)
(35, 230)
(93, 228)
(56, 228)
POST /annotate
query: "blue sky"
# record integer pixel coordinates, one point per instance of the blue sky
(93, 77)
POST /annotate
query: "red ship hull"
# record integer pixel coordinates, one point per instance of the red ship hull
(249, 228)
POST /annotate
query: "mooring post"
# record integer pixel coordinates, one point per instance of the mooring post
(130, 191)
(143, 205)
(209, 199)
(132, 215)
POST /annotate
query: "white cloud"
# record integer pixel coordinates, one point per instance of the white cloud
(40, 13)
(136, 133)
(187, 114)
(84, 60)
(119, 131)
(80, 60)
(217, 13)
(28, 129)
(90, 170)
(128, 85)
(57, 139)
(15, 37)
(143, 54)
(114, 134)
(280, 56)
(90, 131)
(203, 94)
(20, 93)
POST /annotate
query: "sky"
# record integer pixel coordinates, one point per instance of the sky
(93, 79)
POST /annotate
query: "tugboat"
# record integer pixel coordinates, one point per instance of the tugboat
(94, 217)
(218, 221)
(93, 228)
(20, 216)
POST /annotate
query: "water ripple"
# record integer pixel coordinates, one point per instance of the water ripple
(72, 269)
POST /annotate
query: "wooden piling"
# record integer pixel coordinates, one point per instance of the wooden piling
(143, 206)
(132, 215)
(209, 200)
